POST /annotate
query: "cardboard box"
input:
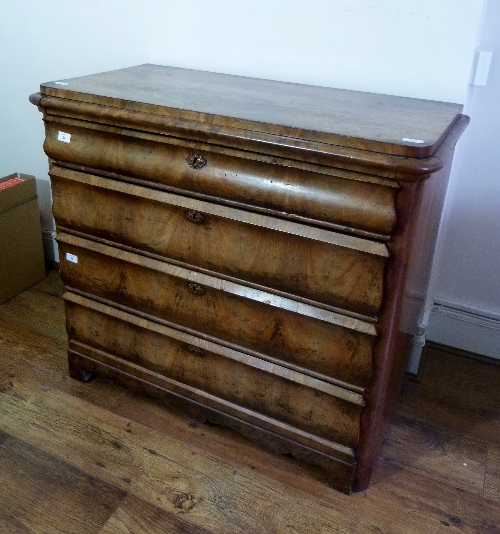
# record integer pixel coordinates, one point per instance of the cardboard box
(21, 251)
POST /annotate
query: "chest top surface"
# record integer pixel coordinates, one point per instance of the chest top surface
(387, 124)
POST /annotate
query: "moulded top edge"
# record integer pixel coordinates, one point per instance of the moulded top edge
(386, 124)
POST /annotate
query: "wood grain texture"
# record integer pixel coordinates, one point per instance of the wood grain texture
(317, 265)
(492, 477)
(91, 305)
(101, 246)
(33, 344)
(348, 202)
(196, 140)
(393, 343)
(400, 499)
(409, 502)
(465, 387)
(214, 209)
(178, 479)
(135, 516)
(245, 317)
(459, 461)
(367, 121)
(335, 461)
(299, 152)
(296, 205)
(43, 494)
(242, 487)
(319, 408)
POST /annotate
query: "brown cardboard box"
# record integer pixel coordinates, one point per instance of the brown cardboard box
(21, 251)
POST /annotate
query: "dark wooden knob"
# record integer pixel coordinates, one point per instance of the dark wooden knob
(196, 289)
(195, 216)
(196, 161)
(195, 350)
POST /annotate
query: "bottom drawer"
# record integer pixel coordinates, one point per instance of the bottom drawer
(321, 409)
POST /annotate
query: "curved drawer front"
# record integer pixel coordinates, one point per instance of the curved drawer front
(319, 265)
(281, 330)
(317, 407)
(332, 200)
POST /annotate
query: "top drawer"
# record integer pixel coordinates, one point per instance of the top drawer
(348, 201)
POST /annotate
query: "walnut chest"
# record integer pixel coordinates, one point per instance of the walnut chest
(241, 247)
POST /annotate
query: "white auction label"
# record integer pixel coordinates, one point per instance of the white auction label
(409, 140)
(64, 137)
(71, 257)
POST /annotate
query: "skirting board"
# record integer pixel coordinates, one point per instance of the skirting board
(465, 328)
(50, 250)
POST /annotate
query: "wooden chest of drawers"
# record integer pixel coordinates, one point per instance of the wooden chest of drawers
(240, 247)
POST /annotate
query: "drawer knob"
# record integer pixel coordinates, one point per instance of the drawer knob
(196, 161)
(196, 289)
(195, 216)
(195, 350)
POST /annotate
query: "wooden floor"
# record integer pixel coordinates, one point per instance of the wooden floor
(92, 458)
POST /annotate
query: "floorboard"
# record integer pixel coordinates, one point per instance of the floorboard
(139, 517)
(492, 479)
(43, 494)
(456, 393)
(453, 458)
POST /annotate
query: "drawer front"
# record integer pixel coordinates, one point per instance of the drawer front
(332, 269)
(331, 346)
(347, 201)
(316, 407)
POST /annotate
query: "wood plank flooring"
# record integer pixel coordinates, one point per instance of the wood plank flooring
(93, 458)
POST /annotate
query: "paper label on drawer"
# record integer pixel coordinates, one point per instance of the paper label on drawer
(63, 136)
(410, 140)
(71, 257)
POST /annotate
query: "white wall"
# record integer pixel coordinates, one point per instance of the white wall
(466, 312)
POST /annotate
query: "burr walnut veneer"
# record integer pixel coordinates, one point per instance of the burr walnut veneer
(240, 247)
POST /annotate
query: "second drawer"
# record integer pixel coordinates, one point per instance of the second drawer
(320, 266)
